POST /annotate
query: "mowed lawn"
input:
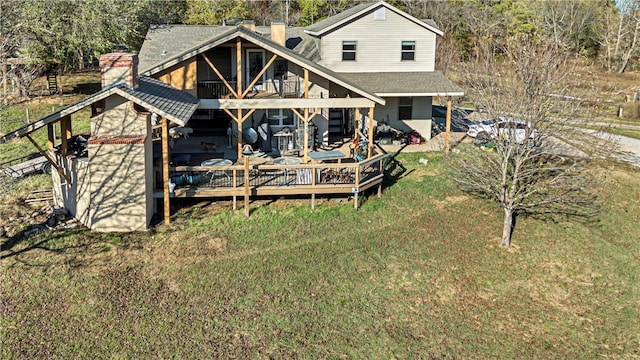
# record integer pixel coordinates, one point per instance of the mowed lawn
(418, 273)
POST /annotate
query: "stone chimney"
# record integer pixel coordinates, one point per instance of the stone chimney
(119, 66)
(249, 24)
(278, 32)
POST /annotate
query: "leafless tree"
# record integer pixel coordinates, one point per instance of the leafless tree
(525, 92)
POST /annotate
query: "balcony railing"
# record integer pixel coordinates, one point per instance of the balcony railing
(216, 89)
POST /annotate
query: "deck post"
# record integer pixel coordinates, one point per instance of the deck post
(447, 142)
(235, 185)
(165, 170)
(246, 186)
(65, 133)
(51, 136)
(357, 125)
(370, 147)
(313, 201)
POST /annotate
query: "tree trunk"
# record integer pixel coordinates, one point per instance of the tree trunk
(507, 228)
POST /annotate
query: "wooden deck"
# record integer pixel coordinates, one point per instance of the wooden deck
(276, 180)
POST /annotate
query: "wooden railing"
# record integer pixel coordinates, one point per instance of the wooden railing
(265, 180)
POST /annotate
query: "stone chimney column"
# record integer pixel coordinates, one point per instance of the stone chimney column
(278, 32)
(119, 66)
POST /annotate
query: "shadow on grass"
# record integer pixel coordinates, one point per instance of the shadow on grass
(393, 168)
(76, 248)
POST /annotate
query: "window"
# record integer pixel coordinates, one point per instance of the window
(349, 50)
(405, 108)
(280, 69)
(408, 50)
(280, 117)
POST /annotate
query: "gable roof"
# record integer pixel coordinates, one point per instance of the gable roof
(232, 33)
(152, 94)
(331, 23)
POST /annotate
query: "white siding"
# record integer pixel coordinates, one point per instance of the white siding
(379, 45)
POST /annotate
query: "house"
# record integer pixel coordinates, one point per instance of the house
(312, 85)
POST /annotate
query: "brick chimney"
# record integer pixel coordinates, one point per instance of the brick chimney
(278, 32)
(119, 66)
(249, 24)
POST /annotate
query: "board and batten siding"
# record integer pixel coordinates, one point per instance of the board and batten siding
(379, 45)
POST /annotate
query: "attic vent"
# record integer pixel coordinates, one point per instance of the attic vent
(380, 14)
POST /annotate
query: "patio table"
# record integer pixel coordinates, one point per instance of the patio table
(216, 162)
(326, 155)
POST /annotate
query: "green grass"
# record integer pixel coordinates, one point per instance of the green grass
(418, 273)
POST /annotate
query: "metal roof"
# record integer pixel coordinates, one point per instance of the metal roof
(387, 84)
(152, 94)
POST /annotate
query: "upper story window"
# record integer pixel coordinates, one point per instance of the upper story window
(349, 50)
(408, 50)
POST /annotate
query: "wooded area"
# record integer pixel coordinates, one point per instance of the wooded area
(70, 35)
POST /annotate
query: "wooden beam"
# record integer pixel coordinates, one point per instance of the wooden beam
(49, 159)
(224, 81)
(246, 186)
(357, 124)
(65, 133)
(306, 83)
(247, 115)
(370, 139)
(447, 139)
(264, 103)
(239, 66)
(51, 136)
(232, 115)
(240, 120)
(165, 169)
(305, 149)
(255, 80)
(295, 111)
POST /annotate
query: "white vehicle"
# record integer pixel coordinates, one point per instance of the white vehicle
(487, 130)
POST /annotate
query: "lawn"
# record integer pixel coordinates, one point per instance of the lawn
(417, 273)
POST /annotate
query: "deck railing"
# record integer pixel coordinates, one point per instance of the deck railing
(265, 180)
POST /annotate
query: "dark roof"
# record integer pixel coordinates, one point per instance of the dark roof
(157, 96)
(406, 83)
(163, 42)
(351, 14)
(152, 94)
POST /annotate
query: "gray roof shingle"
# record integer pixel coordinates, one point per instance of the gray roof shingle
(176, 105)
(405, 83)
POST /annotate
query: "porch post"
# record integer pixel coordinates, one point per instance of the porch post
(239, 92)
(357, 124)
(51, 136)
(246, 186)
(447, 141)
(370, 147)
(305, 150)
(239, 121)
(165, 170)
(65, 133)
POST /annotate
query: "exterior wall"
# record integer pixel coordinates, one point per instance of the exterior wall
(75, 196)
(119, 187)
(379, 44)
(421, 109)
(119, 119)
(183, 76)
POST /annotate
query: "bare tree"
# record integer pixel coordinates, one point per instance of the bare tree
(525, 92)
